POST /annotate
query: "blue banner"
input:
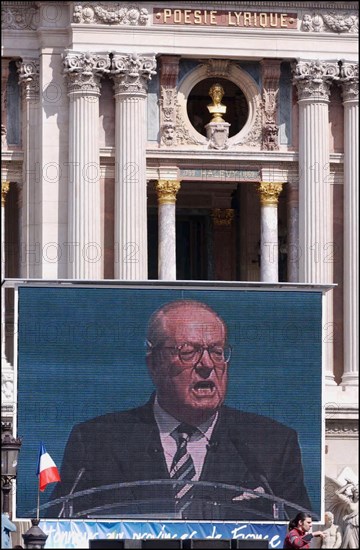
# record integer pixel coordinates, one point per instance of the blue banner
(76, 534)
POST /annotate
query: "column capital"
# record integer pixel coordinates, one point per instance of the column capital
(5, 187)
(349, 79)
(269, 192)
(29, 77)
(167, 191)
(131, 73)
(313, 79)
(222, 216)
(84, 71)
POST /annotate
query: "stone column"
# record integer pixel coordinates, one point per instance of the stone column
(29, 75)
(350, 93)
(269, 247)
(293, 253)
(4, 79)
(313, 80)
(166, 192)
(85, 254)
(131, 74)
(223, 243)
(7, 373)
(5, 186)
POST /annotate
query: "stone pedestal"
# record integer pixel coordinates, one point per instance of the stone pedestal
(217, 134)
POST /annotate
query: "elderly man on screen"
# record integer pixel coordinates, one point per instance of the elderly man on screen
(184, 435)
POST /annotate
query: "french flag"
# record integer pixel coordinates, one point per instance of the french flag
(46, 469)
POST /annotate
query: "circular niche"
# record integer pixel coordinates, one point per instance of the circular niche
(237, 109)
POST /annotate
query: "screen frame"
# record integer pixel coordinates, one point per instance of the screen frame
(178, 285)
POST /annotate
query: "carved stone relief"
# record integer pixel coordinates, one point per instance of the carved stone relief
(218, 67)
(218, 134)
(271, 129)
(168, 134)
(330, 22)
(22, 16)
(84, 70)
(349, 79)
(29, 78)
(314, 78)
(250, 135)
(168, 116)
(182, 133)
(110, 13)
(342, 427)
(169, 70)
(254, 137)
(7, 386)
(132, 72)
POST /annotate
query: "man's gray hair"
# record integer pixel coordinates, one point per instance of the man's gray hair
(156, 325)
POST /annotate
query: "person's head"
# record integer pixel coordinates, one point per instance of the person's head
(355, 493)
(188, 358)
(216, 93)
(302, 521)
(329, 518)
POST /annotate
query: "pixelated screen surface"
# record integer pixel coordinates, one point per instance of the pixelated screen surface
(82, 354)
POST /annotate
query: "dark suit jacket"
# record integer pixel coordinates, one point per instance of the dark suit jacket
(245, 450)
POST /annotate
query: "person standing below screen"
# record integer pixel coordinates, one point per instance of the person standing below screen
(184, 434)
(299, 532)
(333, 533)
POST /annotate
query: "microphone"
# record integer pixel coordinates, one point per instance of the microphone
(75, 484)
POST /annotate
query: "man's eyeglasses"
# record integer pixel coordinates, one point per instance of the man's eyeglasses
(190, 354)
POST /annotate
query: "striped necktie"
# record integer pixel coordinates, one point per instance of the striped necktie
(182, 467)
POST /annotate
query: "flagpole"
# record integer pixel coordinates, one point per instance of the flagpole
(47, 472)
(38, 502)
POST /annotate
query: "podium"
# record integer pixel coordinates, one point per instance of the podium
(154, 499)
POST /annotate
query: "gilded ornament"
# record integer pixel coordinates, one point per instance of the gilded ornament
(216, 108)
(5, 186)
(269, 192)
(167, 190)
(223, 216)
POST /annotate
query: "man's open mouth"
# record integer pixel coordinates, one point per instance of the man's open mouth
(206, 387)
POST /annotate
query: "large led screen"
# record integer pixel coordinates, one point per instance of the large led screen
(181, 403)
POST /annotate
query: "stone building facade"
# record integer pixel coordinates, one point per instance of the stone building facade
(113, 169)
